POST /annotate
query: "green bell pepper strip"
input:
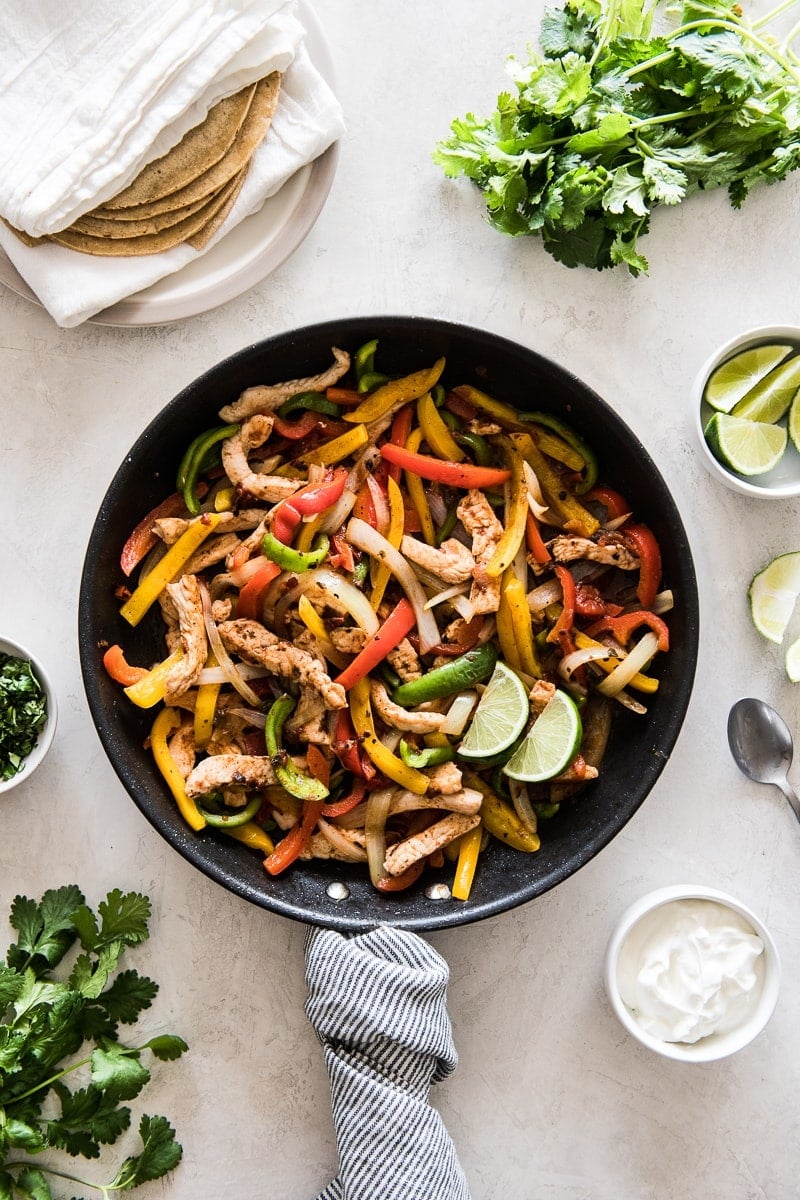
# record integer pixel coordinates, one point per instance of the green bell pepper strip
(448, 524)
(364, 359)
(478, 447)
(463, 672)
(292, 560)
(198, 457)
(236, 817)
(371, 380)
(567, 434)
(431, 756)
(438, 394)
(304, 787)
(309, 402)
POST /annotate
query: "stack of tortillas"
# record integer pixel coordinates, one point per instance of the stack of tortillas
(186, 195)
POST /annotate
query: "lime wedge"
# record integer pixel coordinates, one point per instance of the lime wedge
(551, 743)
(500, 717)
(734, 378)
(794, 422)
(770, 399)
(773, 593)
(747, 447)
(793, 661)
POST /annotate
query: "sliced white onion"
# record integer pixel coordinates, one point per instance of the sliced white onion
(627, 701)
(488, 630)
(544, 595)
(259, 719)
(354, 819)
(459, 713)
(536, 501)
(615, 522)
(217, 675)
(463, 606)
(224, 660)
(340, 843)
(267, 465)
(240, 575)
(380, 504)
(518, 792)
(437, 506)
(338, 590)
(458, 589)
(633, 662)
(664, 602)
(571, 662)
(375, 831)
(363, 536)
(339, 512)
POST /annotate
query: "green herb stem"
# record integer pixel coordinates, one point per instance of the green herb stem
(783, 7)
(96, 1187)
(46, 1083)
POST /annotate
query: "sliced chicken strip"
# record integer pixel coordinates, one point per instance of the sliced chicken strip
(320, 847)
(265, 398)
(255, 644)
(169, 529)
(235, 452)
(186, 596)
(444, 779)
(210, 553)
(219, 771)
(540, 695)
(397, 717)
(467, 801)
(608, 548)
(182, 748)
(349, 641)
(451, 562)
(477, 516)
(420, 845)
(405, 661)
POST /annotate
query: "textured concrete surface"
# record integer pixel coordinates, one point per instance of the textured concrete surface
(551, 1099)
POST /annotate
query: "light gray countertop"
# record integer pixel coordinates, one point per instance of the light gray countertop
(551, 1098)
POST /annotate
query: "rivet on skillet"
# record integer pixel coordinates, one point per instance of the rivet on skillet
(438, 891)
(337, 890)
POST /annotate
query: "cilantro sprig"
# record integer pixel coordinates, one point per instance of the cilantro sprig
(609, 121)
(23, 712)
(55, 1023)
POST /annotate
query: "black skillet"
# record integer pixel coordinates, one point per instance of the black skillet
(639, 748)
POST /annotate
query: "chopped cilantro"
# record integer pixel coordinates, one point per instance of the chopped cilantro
(23, 712)
(609, 121)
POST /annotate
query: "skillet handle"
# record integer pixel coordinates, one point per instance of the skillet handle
(378, 1004)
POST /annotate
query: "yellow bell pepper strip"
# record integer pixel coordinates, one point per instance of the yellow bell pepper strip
(435, 432)
(576, 518)
(252, 835)
(167, 721)
(514, 600)
(308, 531)
(205, 707)
(149, 690)
(566, 434)
(165, 570)
(394, 537)
(337, 449)
(500, 818)
(555, 447)
(505, 627)
(640, 681)
(468, 851)
(396, 393)
(416, 491)
(305, 787)
(223, 499)
(386, 762)
(313, 621)
(504, 414)
(460, 475)
(516, 512)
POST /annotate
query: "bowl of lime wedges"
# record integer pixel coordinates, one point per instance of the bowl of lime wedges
(746, 402)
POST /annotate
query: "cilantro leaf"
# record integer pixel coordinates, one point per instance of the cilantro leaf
(566, 31)
(45, 929)
(88, 1118)
(160, 1153)
(124, 918)
(167, 1046)
(23, 713)
(33, 1185)
(128, 996)
(117, 1070)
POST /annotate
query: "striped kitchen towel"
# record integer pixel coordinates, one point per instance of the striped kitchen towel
(378, 1003)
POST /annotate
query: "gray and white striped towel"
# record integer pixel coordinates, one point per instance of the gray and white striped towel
(378, 1004)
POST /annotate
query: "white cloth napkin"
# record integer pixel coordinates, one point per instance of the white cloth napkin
(47, 181)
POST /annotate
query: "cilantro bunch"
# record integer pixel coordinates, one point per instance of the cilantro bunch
(608, 121)
(51, 1028)
(23, 712)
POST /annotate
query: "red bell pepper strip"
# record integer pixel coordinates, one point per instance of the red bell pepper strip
(398, 883)
(347, 750)
(533, 538)
(343, 557)
(120, 670)
(364, 507)
(624, 626)
(318, 764)
(460, 407)
(300, 428)
(614, 504)
(142, 538)
(567, 615)
(312, 499)
(460, 475)
(344, 396)
(646, 546)
(401, 428)
(590, 603)
(466, 637)
(347, 803)
(397, 625)
(250, 596)
(291, 847)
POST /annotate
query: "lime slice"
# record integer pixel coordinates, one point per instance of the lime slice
(551, 743)
(500, 717)
(794, 422)
(770, 399)
(734, 378)
(747, 447)
(793, 661)
(773, 593)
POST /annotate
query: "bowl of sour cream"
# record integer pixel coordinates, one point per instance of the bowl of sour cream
(692, 973)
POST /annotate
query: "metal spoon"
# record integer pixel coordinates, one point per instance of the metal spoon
(761, 745)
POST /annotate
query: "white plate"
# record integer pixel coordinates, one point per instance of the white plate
(251, 251)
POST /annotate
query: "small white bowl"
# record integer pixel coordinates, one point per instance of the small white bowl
(47, 733)
(783, 481)
(715, 1045)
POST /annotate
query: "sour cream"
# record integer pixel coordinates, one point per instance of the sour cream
(690, 968)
